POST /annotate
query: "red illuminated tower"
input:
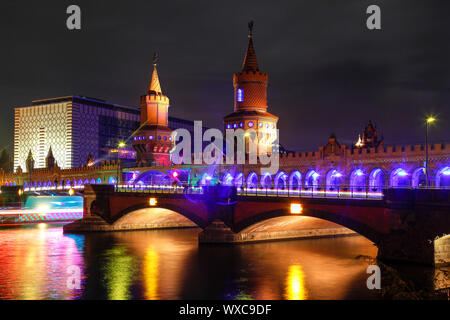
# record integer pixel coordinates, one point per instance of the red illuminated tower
(153, 141)
(250, 96)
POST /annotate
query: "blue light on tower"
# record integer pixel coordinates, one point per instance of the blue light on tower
(240, 95)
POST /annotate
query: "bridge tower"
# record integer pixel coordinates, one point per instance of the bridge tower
(153, 141)
(250, 99)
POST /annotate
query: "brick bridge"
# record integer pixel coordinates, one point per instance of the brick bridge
(403, 225)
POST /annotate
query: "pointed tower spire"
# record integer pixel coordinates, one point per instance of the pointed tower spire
(154, 82)
(250, 62)
(50, 159)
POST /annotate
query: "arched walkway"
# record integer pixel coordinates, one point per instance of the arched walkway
(238, 179)
(399, 178)
(153, 177)
(312, 180)
(227, 179)
(295, 180)
(333, 180)
(443, 178)
(419, 178)
(377, 180)
(252, 180)
(358, 180)
(266, 180)
(281, 180)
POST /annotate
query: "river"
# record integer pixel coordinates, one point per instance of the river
(39, 262)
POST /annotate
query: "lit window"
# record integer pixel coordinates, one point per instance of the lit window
(241, 124)
(165, 138)
(150, 137)
(159, 137)
(260, 124)
(235, 125)
(228, 126)
(240, 95)
(250, 124)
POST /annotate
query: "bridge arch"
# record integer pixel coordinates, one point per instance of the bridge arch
(252, 180)
(342, 220)
(399, 178)
(143, 207)
(266, 180)
(418, 178)
(333, 180)
(281, 180)
(443, 178)
(295, 180)
(312, 180)
(358, 180)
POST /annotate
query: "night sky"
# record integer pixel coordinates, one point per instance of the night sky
(327, 71)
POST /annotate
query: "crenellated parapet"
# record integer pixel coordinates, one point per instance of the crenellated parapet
(101, 173)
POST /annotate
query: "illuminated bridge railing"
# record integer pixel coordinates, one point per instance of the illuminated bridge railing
(313, 192)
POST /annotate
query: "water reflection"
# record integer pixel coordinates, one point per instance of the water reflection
(295, 284)
(169, 264)
(34, 264)
(151, 273)
(119, 270)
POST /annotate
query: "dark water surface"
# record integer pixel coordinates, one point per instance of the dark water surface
(168, 264)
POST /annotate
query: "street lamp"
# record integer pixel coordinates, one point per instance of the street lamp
(429, 120)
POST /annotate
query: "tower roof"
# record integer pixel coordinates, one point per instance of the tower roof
(250, 62)
(154, 82)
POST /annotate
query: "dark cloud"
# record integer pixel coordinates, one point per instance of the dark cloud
(327, 72)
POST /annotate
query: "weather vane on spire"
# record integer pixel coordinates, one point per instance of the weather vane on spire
(155, 59)
(250, 28)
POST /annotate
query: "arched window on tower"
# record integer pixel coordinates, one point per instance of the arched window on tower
(240, 95)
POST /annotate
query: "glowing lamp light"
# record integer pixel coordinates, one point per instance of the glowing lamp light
(20, 192)
(174, 174)
(338, 174)
(152, 202)
(71, 192)
(208, 177)
(446, 172)
(121, 144)
(315, 175)
(431, 119)
(402, 173)
(296, 208)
